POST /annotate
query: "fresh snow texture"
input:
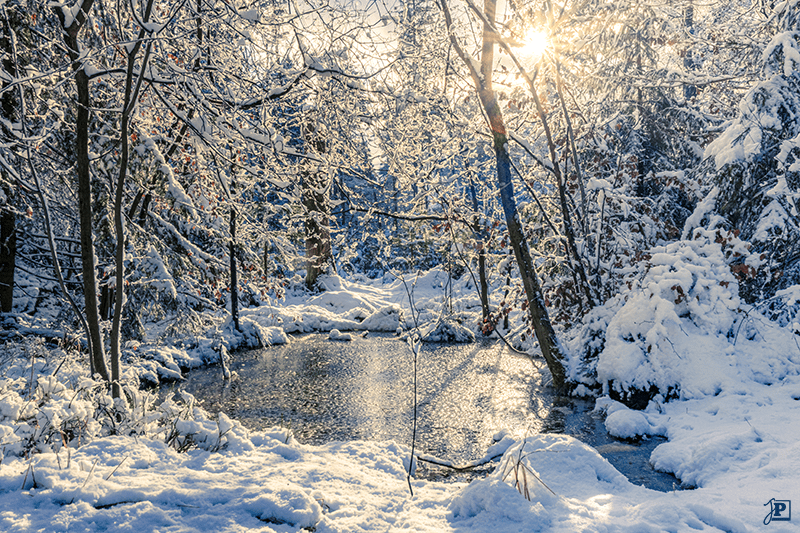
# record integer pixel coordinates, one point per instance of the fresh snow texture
(551, 483)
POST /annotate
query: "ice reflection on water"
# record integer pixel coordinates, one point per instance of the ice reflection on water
(327, 390)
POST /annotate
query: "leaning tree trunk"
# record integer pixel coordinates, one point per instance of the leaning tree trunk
(542, 326)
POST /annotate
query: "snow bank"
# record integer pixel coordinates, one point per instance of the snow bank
(135, 482)
(626, 423)
(556, 483)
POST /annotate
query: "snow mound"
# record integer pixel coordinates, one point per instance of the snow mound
(448, 331)
(555, 483)
(288, 505)
(490, 495)
(626, 423)
(388, 318)
(336, 335)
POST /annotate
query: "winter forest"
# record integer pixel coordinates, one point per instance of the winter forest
(606, 190)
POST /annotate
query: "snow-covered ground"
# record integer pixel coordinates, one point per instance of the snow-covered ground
(733, 430)
(742, 448)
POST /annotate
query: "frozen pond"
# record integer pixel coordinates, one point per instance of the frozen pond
(332, 390)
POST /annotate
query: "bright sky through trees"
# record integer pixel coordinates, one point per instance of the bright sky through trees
(534, 45)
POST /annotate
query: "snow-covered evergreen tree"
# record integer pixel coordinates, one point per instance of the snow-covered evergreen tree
(755, 165)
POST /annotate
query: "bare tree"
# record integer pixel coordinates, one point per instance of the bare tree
(72, 25)
(483, 84)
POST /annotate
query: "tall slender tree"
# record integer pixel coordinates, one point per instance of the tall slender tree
(482, 79)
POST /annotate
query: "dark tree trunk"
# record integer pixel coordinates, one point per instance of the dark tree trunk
(317, 231)
(689, 91)
(135, 204)
(479, 237)
(132, 85)
(545, 333)
(234, 272)
(95, 340)
(315, 198)
(98, 358)
(551, 350)
(143, 211)
(8, 238)
(8, 252)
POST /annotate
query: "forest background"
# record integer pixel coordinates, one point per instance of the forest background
(167, 164)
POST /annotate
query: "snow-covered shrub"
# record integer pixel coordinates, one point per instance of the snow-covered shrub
(448, 330)
(187, 426)
(687, 292)
(52, 414)
(252, 334)
(48, 403)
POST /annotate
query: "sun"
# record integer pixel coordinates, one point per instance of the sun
(534, 45)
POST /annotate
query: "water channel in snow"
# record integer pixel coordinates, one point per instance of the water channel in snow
(327, 390)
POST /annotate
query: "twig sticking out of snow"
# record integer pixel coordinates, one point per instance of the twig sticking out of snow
(521, 471)
(460, 468)
(85, 481)
(115, 468)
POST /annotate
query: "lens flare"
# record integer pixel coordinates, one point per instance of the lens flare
(534, 45)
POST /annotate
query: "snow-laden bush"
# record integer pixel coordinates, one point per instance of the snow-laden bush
(187, 426)
(53, 413)
(687, 292)
(448, 330)
(46, 407)
(252, 334)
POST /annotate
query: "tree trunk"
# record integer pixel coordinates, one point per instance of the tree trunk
(98, 358)
(8, 238)
(551, 350)
(132, 85)
(8, 252)
(545, 333)
(479, 237)
(234, 272)
(689, 91)
(95, 340)
(317, 229)
(315, 198)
